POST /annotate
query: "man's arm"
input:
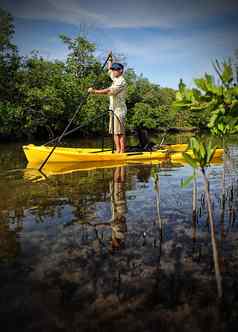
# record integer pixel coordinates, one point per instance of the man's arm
(112, 91)
(106, 91)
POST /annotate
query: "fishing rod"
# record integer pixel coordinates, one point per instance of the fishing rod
(84, 99)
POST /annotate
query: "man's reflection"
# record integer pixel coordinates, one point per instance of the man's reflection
(119, 208)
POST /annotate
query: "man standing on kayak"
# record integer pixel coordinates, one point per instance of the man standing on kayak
(117, 107)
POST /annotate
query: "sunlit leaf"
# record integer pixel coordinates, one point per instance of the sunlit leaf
(192, 162)
(185, 183)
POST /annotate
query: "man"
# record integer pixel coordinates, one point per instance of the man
(118, 109)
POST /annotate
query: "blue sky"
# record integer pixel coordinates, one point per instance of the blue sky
(164, 40)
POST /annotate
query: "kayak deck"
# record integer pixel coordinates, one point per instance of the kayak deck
(37, 154)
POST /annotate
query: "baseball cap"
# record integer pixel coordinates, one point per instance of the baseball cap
(117, 66)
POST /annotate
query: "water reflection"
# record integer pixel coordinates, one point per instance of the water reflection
(9, 244)
(125, 244)
(119, 207)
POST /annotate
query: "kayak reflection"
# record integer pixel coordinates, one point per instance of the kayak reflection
(31, 173)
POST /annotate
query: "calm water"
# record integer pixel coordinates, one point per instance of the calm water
(116, 248)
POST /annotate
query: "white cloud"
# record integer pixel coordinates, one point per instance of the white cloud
(123, 13)
(159, 48)
(184, 52)
(165, 59)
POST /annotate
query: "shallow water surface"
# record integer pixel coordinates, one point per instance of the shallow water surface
(123, 247)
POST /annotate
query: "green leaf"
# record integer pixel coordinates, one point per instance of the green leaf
(227, 74)
(192, 162)
(209, 82)
(202, 151)
(182, 86)
(210, 152)
(185, 183)
(194, 144)
(201, 83)
(179, 96)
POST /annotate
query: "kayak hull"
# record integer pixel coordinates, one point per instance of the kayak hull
(178, 156)
(37, 154)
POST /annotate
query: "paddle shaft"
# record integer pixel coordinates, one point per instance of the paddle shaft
(113, 143)
(83, 125)
(84, 99)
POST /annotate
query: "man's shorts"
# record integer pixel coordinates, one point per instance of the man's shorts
(119, 123)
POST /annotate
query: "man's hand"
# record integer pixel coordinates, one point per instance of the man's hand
(110, 60)
(110, 55)
(90, 90)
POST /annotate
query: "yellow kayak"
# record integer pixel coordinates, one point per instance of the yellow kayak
(178, 156)
(37, 154)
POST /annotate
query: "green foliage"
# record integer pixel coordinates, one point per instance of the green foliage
(201, 157)
(9, 59)
(10, 119)
(81, 60)
(144, 116)
(149, 105)
(188, 108)
(202, 154)
(39, 96)
(214, 105)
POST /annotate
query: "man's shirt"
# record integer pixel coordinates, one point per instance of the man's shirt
(118, 94)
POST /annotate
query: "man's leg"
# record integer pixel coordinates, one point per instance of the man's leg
(119, 175)
(117, 142)
(122, 143)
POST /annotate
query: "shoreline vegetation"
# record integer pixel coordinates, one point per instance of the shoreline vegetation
(38, 96)
(69, 260)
